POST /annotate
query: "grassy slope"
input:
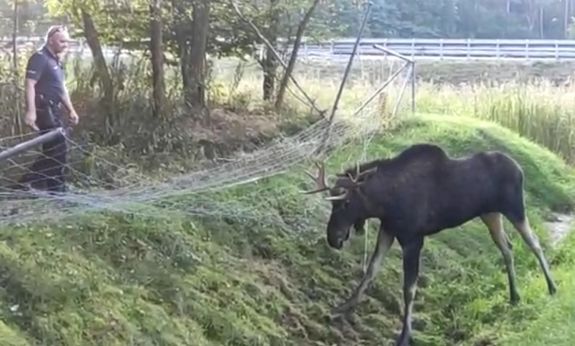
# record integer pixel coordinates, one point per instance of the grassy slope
(127, 280)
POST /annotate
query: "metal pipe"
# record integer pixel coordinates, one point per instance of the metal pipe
(15, 150)
(403, 87)
(391, 52)
(379, 90)
(345, 75)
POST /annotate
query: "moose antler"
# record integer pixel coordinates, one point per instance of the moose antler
(359, 175)
(320, 181)
(364, 174)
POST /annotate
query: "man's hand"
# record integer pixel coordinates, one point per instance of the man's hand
(30, 120)
(74, 117)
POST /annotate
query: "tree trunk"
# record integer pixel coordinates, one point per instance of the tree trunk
(181, 33)
(198, 45)
(291, 64)
(270, 70)
(101, 67)
(156, 41)
(270, 64)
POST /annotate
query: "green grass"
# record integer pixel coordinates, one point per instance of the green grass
(130, 280)
(555, 320)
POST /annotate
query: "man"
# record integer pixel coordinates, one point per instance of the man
(46, 95)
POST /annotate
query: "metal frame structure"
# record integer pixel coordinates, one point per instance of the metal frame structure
(21, 147)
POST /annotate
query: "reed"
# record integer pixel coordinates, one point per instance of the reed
(539, 111)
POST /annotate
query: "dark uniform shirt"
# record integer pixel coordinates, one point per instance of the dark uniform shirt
(45, 68)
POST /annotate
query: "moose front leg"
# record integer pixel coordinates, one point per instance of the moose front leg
(384, 242)
(411, 255)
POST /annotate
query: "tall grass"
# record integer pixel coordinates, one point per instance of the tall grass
(542, 111)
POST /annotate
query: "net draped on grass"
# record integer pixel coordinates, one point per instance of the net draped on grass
(374, 94)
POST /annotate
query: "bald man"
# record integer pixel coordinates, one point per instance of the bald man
(46, 96)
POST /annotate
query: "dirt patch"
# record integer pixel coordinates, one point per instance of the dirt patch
(188, 135)
(559, 227)
(227, 127)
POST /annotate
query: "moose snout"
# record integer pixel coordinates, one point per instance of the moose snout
(337, 238)
(338, 231)
(336, 243)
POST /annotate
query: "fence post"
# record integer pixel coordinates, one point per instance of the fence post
(440, 49)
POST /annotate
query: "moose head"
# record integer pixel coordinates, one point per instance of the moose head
(349, 206)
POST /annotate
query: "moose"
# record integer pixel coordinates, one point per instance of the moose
(420, 192)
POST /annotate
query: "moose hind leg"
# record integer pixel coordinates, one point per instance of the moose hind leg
(530, 238)
(494, 223)
(384, 242)
(411, 261)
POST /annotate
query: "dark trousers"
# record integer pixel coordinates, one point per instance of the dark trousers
(48, 171)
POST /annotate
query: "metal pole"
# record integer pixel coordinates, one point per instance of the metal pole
(403, 87)
(345, 75)
(379, 89)
(15, 150)
(390, 52)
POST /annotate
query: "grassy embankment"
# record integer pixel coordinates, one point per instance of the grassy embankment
(128, 280)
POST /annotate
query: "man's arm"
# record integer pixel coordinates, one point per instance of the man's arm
(34, 71)
(30, 95)
(67, 102)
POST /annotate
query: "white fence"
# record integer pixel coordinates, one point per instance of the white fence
(446, 48)
(415, 48)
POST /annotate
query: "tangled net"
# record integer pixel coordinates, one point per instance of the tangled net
(384, 81)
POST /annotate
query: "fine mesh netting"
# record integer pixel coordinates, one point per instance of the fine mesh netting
(374, 95)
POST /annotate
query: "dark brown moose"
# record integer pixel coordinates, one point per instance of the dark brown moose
(418, 193)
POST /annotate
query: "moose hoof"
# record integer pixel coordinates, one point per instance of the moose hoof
(552, 289)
